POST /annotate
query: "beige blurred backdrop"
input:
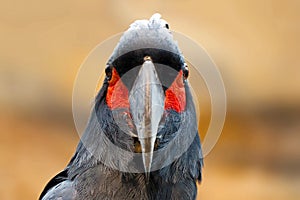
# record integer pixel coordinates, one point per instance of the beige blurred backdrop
(255, 44)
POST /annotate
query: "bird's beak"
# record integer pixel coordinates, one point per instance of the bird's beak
(147, 106)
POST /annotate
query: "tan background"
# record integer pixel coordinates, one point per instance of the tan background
(255, 44)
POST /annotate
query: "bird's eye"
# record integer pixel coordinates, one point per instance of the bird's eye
(108, 71)
(167, 26)
(185, 71)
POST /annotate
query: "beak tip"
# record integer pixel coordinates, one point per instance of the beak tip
(147, 176)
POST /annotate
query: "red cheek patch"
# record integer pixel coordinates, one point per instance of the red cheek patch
(117, 92)
(175, 95)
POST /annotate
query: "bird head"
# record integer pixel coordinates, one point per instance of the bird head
(143, 105)
(145, 85)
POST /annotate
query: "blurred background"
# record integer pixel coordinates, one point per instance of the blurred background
(255, 44)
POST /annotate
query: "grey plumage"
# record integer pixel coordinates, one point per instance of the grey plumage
(88, 177)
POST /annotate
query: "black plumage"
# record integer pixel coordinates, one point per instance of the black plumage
(88, 177)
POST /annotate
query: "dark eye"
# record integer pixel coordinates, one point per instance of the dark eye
(167, 26)
(108, 71)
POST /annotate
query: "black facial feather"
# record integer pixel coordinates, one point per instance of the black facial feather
(88, 177)
(133, 60)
